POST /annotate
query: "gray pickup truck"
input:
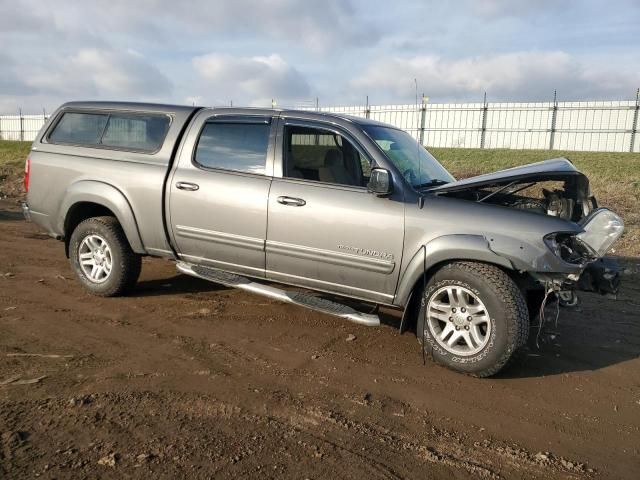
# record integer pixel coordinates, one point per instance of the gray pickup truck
(354, 211)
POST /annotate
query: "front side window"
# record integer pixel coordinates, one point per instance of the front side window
(137, 132)
(240, 147)
(417, 165)
(323, 156)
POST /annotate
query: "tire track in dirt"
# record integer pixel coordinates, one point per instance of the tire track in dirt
(201, 381)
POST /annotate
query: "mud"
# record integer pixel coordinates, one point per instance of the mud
(184, 378)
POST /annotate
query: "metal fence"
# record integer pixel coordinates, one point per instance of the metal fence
(21, 127)
(605, 126)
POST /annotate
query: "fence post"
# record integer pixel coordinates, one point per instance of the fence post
(483, 132)
(634, 127)
(554, 116)
(423, 119)
(367, 110)
(21, 125)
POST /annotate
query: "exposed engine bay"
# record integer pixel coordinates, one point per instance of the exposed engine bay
(556, 202)
(555, 188)
(558, 190)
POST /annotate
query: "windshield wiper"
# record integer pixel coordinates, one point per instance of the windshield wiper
(431, 183)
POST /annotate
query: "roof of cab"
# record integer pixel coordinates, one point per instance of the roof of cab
(139, 106)
(158, 107)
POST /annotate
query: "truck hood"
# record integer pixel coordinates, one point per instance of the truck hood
(555, 169)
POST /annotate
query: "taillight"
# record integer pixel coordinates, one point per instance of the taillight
(27, 169)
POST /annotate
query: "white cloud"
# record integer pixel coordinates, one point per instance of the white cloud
(518, 8)
(317, 26)
(523, 76)
(255, 79)
(123, 49)
(109, 72)
(88, 73)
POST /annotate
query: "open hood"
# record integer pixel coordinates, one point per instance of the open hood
(555, 169)
(514, 188)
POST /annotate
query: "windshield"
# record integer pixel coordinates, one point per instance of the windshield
(417, 165)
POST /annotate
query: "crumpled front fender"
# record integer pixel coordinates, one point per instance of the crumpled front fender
(442, 249)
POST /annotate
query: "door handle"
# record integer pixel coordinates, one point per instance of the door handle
(291, 201)
(190, 187)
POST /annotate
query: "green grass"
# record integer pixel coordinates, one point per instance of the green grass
(13, 153)
(614, 178)
(12, 158)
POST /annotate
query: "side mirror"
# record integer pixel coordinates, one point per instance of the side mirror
(380, 182)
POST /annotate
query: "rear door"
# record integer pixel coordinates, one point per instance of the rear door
(218, 193)
(325, 230)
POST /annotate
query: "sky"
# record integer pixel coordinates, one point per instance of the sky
(250, 52)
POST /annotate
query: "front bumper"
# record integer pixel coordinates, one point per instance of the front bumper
(602, 228)
(26, 212)
(601, 276)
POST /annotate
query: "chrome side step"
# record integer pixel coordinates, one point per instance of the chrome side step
(297, 298)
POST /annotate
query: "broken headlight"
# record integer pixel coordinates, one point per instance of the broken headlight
(570, 248)
(601, 230)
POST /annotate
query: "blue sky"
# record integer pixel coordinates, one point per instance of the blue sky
(214, 52)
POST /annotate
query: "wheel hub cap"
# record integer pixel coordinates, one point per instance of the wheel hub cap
(458, 320)
(94, 255)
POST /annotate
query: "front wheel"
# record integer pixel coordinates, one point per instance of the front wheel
(473, 318)
(101, 257)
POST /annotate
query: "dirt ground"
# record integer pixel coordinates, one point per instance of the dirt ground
(184, 378)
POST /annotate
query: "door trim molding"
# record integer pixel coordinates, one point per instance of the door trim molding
(340, 259)
(224, 238)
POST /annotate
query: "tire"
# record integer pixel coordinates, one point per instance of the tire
(487, 326)
(104, 237)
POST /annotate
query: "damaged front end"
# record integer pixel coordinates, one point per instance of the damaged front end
(601, 229)
(567, 197)
(555, 188)
(586, 250)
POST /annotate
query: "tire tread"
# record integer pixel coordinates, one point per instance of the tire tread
(131, 262)
(515, 307)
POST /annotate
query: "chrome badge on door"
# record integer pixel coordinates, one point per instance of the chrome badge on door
(367, 252)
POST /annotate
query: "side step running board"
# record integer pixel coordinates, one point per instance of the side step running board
(297, 298)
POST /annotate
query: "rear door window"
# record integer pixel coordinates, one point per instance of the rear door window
(136, 132)
(238, 146)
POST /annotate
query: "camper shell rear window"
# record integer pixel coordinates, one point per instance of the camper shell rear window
(139, 132)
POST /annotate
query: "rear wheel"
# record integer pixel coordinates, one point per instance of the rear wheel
(102, 258)
(476, 318)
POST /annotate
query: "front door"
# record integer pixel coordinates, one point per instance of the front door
(325, 231)
(219, 192)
